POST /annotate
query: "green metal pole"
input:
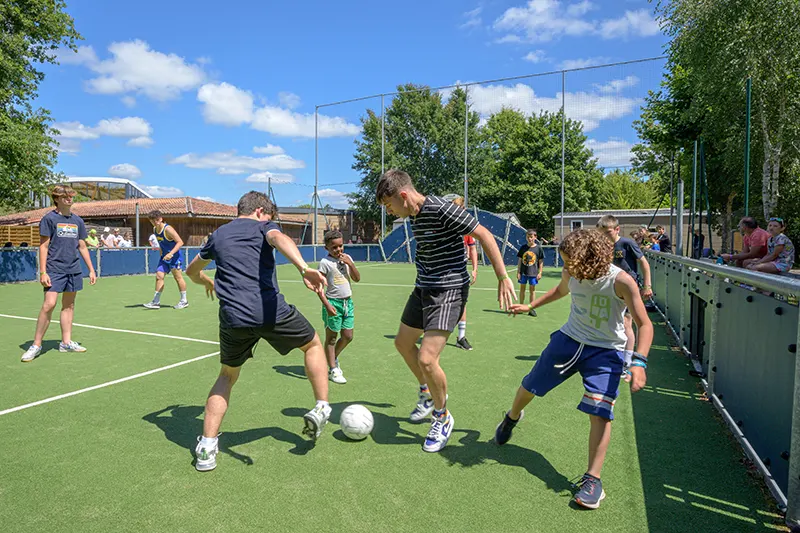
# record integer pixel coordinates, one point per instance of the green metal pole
(694, 200)
(749, 90)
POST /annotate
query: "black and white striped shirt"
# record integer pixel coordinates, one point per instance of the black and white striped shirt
(439, 228)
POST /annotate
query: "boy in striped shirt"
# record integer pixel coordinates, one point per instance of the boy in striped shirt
(440, 292)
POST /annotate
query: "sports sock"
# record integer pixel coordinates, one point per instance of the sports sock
(438, 413)
(323, 403)
(462, 329)
(424, 388)
(337, 362)
(209, 442)
(157, 297)
(183, 296)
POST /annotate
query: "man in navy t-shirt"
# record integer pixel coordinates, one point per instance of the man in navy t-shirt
(61, 246)
(251, 307)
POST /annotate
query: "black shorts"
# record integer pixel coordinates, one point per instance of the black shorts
(292, 331)
(435, 309)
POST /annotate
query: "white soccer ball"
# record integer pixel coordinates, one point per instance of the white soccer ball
(356, 422)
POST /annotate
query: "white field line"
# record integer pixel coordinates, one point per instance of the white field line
(173, 337)
(106, 384)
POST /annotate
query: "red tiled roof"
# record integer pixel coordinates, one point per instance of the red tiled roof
(127, 208)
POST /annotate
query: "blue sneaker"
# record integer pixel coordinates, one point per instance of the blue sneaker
(590, 492)
(504, 429)
(441, 427)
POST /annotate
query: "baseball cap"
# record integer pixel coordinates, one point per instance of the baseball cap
(107, 230)
(92, 231)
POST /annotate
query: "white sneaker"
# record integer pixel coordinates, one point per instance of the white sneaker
(32, 353)
(315, 421)
(181, 305)
(152, 305)
(440, 433)
(336, 375)
(424, 407)
(206, 457)
(71, 347)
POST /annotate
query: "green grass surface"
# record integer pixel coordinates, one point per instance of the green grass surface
(119, 458)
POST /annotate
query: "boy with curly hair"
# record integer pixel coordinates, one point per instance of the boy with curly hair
(590, 343)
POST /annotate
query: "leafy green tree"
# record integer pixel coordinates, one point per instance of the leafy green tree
(626, 190)
(30, 33)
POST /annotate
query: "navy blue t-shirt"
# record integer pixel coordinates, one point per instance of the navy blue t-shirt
(626, 254)
(245, 282)
(65, 235)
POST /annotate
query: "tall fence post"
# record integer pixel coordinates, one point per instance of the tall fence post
(505, 239)
(408, 240)
(793, 494)
(316, 176)
(466, 141)
(563, 145)
(383, 170)
(712, 348)
(679, 220)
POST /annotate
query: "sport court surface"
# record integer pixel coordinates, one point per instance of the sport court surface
(119, 457)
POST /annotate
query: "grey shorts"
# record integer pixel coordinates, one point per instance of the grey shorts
(435, 309)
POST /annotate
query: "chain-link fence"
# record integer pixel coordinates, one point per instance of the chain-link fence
(545, 138)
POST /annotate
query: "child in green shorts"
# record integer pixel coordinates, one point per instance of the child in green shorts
(337, 302)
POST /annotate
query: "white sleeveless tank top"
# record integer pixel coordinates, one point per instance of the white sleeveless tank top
(597, 313)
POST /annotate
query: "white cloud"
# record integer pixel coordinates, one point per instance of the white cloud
(125, 170)
(75, 130)
(203, 60)
(274, 178)
(333, 197)
(228, 105)
(161, 191)
(589, 108)
(85, 55)
(67, 146)
(135, 128)
(547, 20)
(134, 68)
(617, 86)
(270, 149)
(129, 101)
(510, 38)
(614, 152)
(225, 104)
(141, 142)
(472, 18)
(570, 64)
(231, 163)
(536, 56)
(206, 198)
(289, 100)
(124, 127)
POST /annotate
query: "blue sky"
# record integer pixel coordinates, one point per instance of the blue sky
(208, 99)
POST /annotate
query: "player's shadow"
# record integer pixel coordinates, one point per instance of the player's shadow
(133, 306)
(474, 452)
(293, 371)
(183, 425)
(497, 311)
(527, 357)
(393, 337)
(386, 430)
(46, 346)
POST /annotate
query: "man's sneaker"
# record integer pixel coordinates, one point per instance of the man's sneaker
(181, 305)
(206, 457)
(32, 353)
(439, 434)
(464, 344)
(315, 421)
(71, 347)
(423, 409)
(590, 492)
(152, 305)
(336, 375)
(532, 312)
(504, 429)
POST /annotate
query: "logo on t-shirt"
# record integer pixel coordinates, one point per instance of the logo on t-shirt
(600, 309)
(529, 258)
(68, 231)
(619, 254)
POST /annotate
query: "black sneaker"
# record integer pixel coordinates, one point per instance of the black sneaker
(503, 432)
(532, 312)
(464, 344)
(590, 492)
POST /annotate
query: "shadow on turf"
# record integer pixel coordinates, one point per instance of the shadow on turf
(474, 452)
(293, 371)
(184, 425)
(46, 346)
(419, 341)
(387, 428)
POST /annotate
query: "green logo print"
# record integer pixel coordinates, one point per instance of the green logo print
(600, 309)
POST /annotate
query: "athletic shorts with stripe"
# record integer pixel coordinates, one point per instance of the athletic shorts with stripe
(435, 309)
(600, 369)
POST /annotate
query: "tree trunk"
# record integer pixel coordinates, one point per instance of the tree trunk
(727, 222)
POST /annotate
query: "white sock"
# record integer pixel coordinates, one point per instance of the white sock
(208, 442)
(337, 363)
(323, 403)
(183, 296)
(157, 297)
(462, 329)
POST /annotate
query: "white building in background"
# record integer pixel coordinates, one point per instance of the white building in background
(97, 188)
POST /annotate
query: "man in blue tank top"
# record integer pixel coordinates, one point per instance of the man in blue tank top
(171, 260)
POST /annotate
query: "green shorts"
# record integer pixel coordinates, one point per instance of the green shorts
(345, 314)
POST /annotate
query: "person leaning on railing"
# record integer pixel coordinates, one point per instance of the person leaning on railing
(754, 243)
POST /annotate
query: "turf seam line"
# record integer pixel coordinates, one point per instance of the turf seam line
(173, 337)
(106, 384)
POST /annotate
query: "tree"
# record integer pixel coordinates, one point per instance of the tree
(626, 190)
(30, 32)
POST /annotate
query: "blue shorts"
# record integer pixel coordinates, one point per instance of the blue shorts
(65, 283)
(166, 266)
(600, 369)
(528, 280)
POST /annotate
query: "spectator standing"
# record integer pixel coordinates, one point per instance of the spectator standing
(154, 242)
(92, 240)
(126, 242)
(698, 240)
(664, 242)
(754, 243)
(108, 238)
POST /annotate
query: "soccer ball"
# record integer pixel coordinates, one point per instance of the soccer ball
(356, 422)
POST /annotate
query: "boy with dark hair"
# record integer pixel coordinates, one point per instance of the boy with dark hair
(441, 291)
(338, 312)
(170, 244)
(62, 245)
(530, 267)
(590, 343)
(251, 308)
(664, 242)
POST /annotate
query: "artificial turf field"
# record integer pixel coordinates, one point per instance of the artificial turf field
(119, 457)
